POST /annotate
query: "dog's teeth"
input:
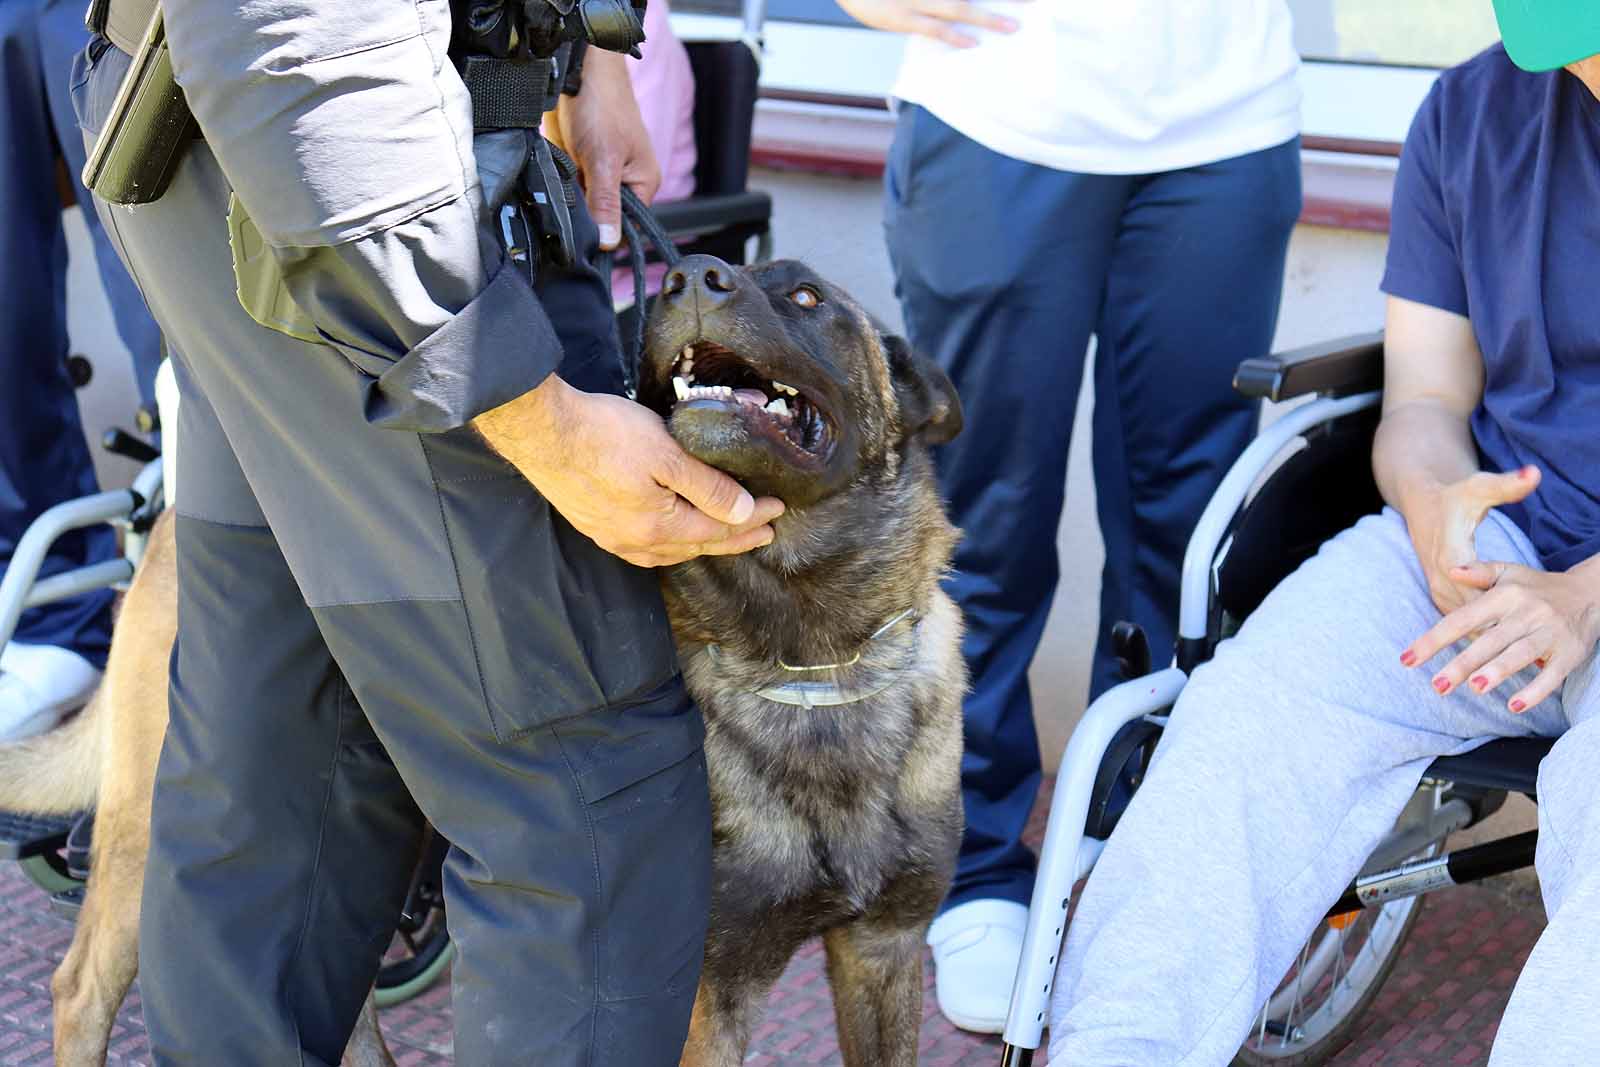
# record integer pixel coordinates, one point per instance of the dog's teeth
(681, 387)
(779, 407)
(791, 390)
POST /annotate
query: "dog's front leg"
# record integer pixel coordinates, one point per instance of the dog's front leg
(875, 969)
(719, 1029)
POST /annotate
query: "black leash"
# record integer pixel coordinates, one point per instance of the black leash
(639, 222)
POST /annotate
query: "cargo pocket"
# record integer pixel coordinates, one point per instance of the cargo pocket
(559, 627)
(644, 787)
(258, 280)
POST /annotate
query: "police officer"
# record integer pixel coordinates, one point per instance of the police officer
(399, 538)
(53, 661)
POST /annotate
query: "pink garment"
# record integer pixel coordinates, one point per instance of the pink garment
(663, 84)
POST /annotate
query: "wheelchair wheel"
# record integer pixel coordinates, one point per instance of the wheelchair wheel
(415, 961)
(421, 949)
(1315, 1009)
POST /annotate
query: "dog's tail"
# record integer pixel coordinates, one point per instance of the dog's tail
(62, 771)
(57, 772)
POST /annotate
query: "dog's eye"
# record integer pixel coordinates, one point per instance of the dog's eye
(806, 297)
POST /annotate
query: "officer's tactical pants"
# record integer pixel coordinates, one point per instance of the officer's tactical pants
(377, 626)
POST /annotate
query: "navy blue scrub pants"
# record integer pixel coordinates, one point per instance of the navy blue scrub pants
(44, 458)
(1004, 270)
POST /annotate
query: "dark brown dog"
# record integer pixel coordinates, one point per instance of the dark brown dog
(840, 819)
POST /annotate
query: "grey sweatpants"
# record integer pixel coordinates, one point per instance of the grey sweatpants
(1287, 759)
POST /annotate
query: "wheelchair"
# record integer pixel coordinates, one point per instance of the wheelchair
(1254, 532)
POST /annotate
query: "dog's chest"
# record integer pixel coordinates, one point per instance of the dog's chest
(806, 801)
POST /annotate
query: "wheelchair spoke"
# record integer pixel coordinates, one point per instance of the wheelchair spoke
(1299, 996)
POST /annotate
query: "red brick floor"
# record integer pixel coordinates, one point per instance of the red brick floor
(1440, 1006)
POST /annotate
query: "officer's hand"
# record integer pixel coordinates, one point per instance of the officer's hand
(939, 19)
(611, 469)
(602, 130)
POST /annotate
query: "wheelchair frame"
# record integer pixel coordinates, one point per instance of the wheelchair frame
(133, 509)
(1345, 378)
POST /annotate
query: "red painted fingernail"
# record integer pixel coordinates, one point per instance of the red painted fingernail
(1519, 705)
(1539, 663)
(1442, 684)
(1479, 682)
(1408, 657)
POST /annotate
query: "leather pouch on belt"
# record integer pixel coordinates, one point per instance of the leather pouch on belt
(262, 293)
(147, 130)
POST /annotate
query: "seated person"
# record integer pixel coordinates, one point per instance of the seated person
(1468, 610)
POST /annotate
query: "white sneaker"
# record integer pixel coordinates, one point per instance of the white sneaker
(976, 947)
(39, 684)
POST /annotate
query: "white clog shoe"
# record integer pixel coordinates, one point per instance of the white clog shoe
(39, 685)
(976, 947)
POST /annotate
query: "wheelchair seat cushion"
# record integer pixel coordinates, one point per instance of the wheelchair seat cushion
(1509, 763)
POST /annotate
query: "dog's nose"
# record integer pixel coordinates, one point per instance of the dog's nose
(706, 280)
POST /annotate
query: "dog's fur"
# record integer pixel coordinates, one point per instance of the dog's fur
(836, 821)
(842, 821)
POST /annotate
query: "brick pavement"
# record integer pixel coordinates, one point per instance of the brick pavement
(1440, 1006)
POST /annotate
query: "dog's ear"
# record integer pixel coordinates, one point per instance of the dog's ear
(929, 407)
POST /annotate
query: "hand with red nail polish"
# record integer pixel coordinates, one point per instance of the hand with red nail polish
(1546, 620)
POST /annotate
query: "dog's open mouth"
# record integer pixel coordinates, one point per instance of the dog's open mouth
(707, 374)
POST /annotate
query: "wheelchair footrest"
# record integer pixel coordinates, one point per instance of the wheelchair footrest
(68, 903)
(23, 836)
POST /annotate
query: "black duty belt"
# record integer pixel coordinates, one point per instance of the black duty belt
(506, 93)
(509, 93)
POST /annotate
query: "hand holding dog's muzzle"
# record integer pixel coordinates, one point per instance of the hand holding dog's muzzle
(611, 469)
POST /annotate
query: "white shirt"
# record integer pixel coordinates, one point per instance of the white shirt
(1117, 86)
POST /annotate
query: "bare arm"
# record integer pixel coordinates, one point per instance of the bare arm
(1423, 458)
(1432, 381)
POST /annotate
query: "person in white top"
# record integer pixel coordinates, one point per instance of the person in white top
(1062, 170)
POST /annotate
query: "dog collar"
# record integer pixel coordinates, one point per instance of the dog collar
(807, 694)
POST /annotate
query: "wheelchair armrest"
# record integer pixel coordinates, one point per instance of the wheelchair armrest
(701, 214)
(1334, 368)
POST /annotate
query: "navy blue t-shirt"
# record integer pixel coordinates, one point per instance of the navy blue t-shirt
(1497, 217)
